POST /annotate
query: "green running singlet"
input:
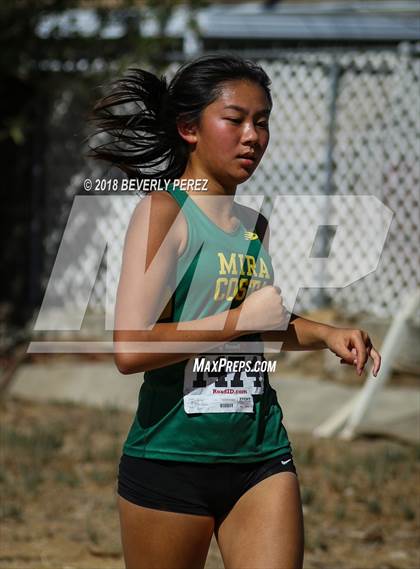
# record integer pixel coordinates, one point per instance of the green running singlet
(204, 415)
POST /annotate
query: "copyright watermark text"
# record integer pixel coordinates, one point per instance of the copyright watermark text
(143, 185)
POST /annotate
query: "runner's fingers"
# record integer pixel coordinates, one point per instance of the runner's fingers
(362, 356)
(350, 358)
(376, 357)
(372, 353)
(351, 361)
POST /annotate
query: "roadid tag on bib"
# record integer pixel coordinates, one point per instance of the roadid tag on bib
(209, 386)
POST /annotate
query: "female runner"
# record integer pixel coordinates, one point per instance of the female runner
(207, 451)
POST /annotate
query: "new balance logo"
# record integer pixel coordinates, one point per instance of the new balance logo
(250, 236)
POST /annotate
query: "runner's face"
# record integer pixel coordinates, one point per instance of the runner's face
(236, 123)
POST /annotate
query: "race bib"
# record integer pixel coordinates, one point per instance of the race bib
(222, 384)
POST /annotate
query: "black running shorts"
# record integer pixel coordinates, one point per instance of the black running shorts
(209, 489)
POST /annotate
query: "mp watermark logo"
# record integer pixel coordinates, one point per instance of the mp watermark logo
(234, 272)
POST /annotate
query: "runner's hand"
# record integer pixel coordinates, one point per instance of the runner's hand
(354, 347)
(263, 309)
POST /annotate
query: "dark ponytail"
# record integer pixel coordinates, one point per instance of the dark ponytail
(139, 136)
(139, 117)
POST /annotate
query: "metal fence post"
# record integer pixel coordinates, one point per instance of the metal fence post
(324, 242)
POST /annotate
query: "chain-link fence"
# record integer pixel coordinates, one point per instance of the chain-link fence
(345, 123)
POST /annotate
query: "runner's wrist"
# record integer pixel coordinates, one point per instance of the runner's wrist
(237, 331)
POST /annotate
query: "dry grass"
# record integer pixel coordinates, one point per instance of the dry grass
(58, 478)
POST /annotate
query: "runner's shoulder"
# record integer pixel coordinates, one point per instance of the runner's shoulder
(161, 207)
(159, 211)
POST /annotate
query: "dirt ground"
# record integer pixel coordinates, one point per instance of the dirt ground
(58, 490)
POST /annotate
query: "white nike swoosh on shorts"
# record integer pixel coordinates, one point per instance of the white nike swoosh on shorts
(286, 461)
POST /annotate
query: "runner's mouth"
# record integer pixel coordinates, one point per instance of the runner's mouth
(247, 161)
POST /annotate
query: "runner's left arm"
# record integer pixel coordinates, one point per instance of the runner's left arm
(352, 346)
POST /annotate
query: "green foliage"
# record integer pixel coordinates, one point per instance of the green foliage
(305, 455)
(67, 478)
(408, 512)
(374, 506)
(11, 512)
(340, 511)
(307, 495)
(40, 444)
(29, 61)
